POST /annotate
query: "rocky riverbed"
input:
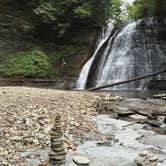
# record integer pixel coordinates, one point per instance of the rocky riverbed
(105, 129)
(26, 117)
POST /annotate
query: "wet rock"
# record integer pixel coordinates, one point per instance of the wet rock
(164, 120)
(160, 96)
(153, 159)
(144, 153)
(57, 158)
(124, 113)
(140, 161)
(143, 159)
(81, 160)
(138, 117)
(57, 142)
(154, 123)
(104, 143)
(109, 97)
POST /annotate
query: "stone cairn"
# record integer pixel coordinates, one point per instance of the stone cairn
(57, 152)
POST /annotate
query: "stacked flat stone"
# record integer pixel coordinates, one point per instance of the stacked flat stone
(57, 152)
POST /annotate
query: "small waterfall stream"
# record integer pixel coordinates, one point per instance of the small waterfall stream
(135, 50)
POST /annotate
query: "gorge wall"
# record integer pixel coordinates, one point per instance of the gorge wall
(66, 54)
(11, 38)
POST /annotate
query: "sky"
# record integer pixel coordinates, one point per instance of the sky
(128, 1)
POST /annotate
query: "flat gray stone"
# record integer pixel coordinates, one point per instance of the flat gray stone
(81, 160)
(137, 116)
(144, 153)
(153, 159)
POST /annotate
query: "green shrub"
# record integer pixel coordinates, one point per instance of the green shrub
(33, 63)
(36, 63)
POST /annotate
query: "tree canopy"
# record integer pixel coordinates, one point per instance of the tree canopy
(62, 14)
(147, 8)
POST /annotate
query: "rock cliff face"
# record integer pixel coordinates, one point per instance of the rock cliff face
(11, 38)
(17, 29)
(18, 33)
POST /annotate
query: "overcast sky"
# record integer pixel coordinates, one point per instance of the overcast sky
(129, 1)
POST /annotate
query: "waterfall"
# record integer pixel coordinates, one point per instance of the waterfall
(120, 63)
(106, 33)
(137, 49)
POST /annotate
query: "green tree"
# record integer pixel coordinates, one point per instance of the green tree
(106, 9)
(115, 11)
(147, 8)
(63, 14)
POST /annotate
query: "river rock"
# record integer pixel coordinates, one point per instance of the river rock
(164, 120)
(140, 160)
(153, 159)
(5, 163)
(27, 140)
(109, 97)
(144, 153)
(81, 160)
(57, 157)
(16, 138)
(146, 160)
(138, 117)
(160, 96)
(57, 142)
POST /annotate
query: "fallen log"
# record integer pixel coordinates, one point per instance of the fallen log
(127, 81)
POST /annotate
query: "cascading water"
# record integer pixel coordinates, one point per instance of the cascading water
(119, 64)
(137, 49)
(106, 33)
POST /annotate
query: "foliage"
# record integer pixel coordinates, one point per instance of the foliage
(115, 10)
(65, 51)
(63, 14)
(83, 11)
(146, 8)
(102, 10)
(38, 63)
(64, 10)
(33, 63)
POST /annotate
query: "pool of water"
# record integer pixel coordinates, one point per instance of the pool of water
(141, 94)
